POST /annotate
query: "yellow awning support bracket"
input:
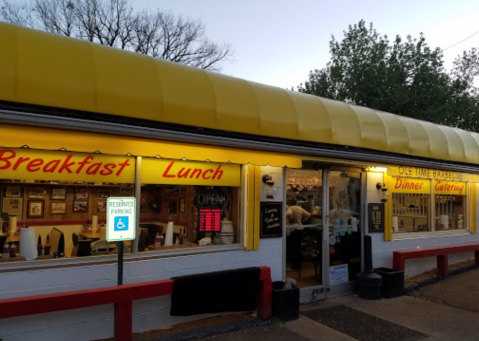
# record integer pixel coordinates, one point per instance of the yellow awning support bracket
(388, 211)
(473, 208)
(253, 207)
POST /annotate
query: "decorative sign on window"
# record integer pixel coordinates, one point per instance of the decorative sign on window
(209, 203)
(338, 274)
(376, 217)
(270, 219)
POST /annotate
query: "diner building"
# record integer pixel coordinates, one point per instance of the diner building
(227, 174)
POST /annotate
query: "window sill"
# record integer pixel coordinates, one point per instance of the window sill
(59, 263)
(417, 235)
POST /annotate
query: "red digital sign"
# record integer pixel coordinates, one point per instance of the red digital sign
(209, 219)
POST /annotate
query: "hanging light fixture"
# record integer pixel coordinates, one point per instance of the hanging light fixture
(383, 192)
(269, 188)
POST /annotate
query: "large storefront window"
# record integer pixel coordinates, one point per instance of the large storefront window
(53, 204)
(411, 205)
(450, 205)
(188, 205)
(423, 205)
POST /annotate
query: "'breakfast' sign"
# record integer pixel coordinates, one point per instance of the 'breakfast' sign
(27, 164)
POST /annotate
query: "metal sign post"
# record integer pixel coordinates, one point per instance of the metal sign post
(120, 221)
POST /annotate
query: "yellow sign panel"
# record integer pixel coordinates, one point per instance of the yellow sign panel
(409, 185)
(172, 172)
(26, 164)
(450, 187)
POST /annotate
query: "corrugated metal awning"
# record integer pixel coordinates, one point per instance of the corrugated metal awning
(44, 69)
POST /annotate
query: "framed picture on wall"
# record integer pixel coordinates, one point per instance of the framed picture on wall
(81, 193)
(58, 193)
(182, 205)
(13, 206)
(58, 207)
(101, 207)
(35, 209)
(36, 192)
(13, 192)
(104, 193)
(126, 191)
(80, 206)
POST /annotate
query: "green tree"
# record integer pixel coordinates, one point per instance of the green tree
(404, 77)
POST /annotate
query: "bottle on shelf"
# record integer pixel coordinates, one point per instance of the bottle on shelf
(162, 240)
(39, 246)
(47, 246)
(157, 240)
(182, 236)
(6, 251)
(13, 250)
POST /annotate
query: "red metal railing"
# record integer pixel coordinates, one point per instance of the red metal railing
(121, 296)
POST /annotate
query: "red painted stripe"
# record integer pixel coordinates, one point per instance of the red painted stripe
(52, 222)
(80, 299)
(80, 222)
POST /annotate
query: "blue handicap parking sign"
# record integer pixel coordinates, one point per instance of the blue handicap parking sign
(120, 223)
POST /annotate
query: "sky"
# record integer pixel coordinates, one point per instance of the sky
(278, 42)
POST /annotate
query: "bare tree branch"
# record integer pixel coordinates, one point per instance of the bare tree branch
(115, 23)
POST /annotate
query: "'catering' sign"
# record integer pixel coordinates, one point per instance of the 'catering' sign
(26, 164)
(450, 187)
(173, 172)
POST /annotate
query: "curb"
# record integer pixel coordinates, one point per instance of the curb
(212, 330)
(436, 279)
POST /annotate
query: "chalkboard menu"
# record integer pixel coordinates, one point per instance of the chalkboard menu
(376, 217)
(271, 214)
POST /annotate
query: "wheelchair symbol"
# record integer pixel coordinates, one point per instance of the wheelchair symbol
(120, 223)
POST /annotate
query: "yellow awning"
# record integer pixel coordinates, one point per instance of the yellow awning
(50, 70)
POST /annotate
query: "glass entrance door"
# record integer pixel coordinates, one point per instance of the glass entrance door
(304, 232)
(344, 230)
(323, 230)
